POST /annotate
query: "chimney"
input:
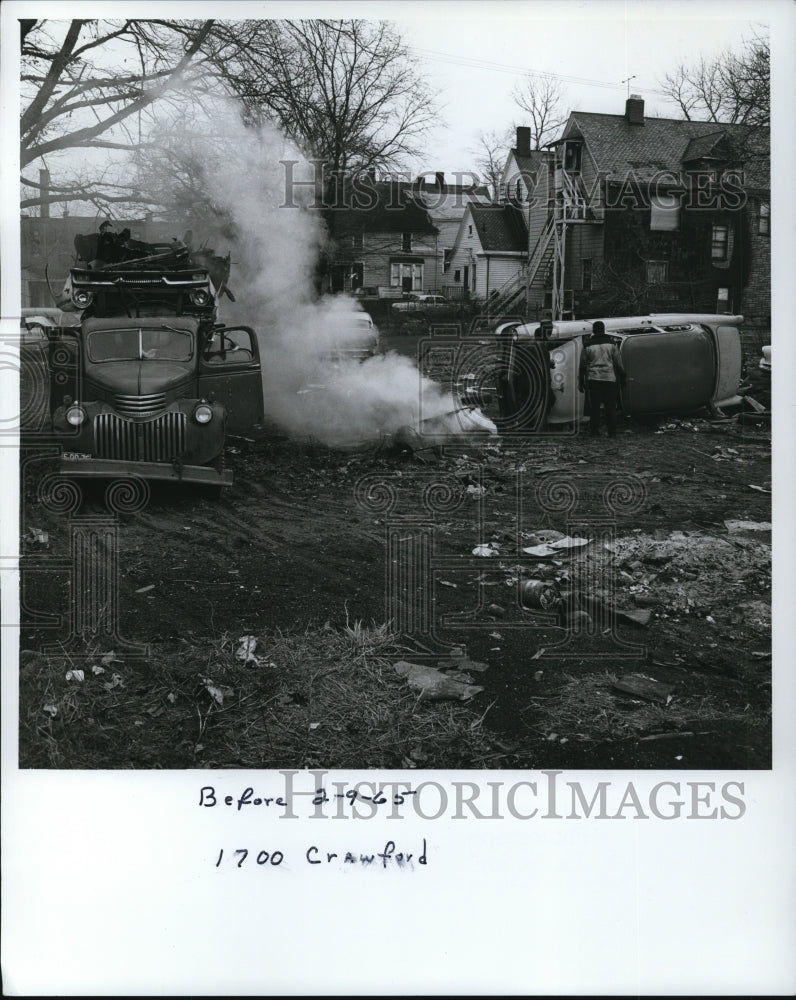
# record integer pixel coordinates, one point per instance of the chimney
(634, 109)
(44, 188)
(440, 176)
(523, 146)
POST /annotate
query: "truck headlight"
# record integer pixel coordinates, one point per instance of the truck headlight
(82, 297)
(203, 413)
(75, 415)
(200, 297)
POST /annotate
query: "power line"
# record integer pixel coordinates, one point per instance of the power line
(497, 67)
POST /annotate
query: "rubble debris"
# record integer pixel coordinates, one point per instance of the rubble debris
(245, 651)
(759, 489)
(487, 549)
(634, 616)
(540, 594)
(432, 685)
(646, 688)
(145, 590)
(560, 547)
(37, 536)
(496, 611)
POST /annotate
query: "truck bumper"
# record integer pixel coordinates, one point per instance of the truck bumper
(110, 468)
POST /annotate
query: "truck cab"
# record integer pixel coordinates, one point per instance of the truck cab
(150, 383)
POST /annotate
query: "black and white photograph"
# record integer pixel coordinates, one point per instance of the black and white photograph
(388, 391)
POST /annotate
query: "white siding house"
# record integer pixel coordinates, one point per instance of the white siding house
(490, 250)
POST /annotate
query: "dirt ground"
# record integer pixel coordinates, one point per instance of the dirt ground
(306, 537)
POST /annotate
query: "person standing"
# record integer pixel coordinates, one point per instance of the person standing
(600, 368)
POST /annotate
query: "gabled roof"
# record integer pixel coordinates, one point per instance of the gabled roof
(530, 162)
(619, 146)
(500, 228)
(379, 206)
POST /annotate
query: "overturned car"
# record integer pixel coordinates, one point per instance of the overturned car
(675, 363)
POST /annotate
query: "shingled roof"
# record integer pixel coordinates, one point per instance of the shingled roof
(393, 208)
(500, 228)
(619, 146)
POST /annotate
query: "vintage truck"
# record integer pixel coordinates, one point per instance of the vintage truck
(150, 383)
(675, 363)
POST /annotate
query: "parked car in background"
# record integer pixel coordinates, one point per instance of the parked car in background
(421, 302)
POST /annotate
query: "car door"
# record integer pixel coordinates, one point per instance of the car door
(229, 370)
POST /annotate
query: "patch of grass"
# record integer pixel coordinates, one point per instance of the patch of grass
(324, 698)
(587, 710)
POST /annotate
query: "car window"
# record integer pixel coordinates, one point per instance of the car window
(135, 344)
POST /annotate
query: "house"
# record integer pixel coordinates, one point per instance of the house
(634, 214)
(399, 237)
(521, 172)
(490, 250)
(380, 237)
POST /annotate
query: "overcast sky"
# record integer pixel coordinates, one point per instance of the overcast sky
(475, 54)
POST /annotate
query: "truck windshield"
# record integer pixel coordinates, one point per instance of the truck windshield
(136, 344)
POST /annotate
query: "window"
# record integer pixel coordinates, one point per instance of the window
(457, 275)
(724, 300)
(586, 275)
(764, 218)
(664, 212)
(518, 190)
(657, 272)
(719, 242)
(408, 277)
(406, 242)
(358, 240)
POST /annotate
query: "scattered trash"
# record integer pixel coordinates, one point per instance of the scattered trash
(538, 654)
(757, 654)
(172, 697)
(476, 491)
(734, 527)
(218, 694)
(145, 590)
(645, 687)
(459, 660)
(489, 549)
(433, 685)
(114, 682)
(76, 675)
(645, 600)
(495, 635)
(496, 611)
(51, 710)
(447, 583)
(540, 594)
(107, 658)
(245, 651)
(314, 725)
(97, 670)
(36, 535)
(759, 489)
(538, 675)
(559, 547)
(634, 616)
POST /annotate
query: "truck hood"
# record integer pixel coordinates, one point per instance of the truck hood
(138, 378)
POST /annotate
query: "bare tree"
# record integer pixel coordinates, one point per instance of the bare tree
(733, 87)
(347, 92)
(541, 98)
(491, 156)
(76, 99)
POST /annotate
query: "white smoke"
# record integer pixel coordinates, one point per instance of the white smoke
(313, 387)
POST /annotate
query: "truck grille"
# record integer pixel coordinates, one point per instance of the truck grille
(140, 406)
(159, 440)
